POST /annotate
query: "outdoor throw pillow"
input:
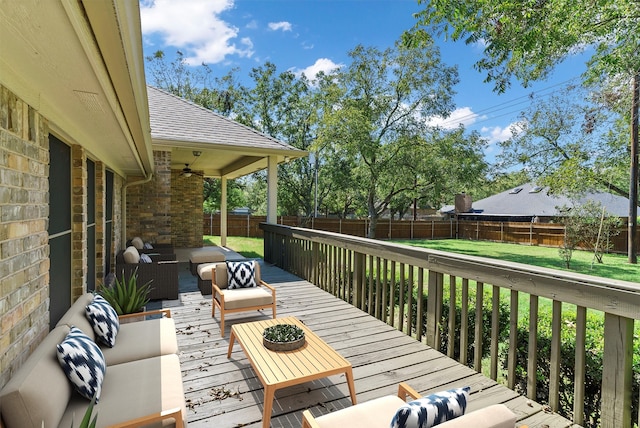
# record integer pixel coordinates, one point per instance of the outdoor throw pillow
(145, 258)
(241, 275)
(148, 246)
(432, 410)
(83, 363)
(103, 319)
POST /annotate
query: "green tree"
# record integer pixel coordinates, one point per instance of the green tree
(588, 226)
(379, 120)
(236, 196)
(559, 141)
(219, 94)
(527, 39)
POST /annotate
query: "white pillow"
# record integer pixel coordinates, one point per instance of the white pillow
(241, 275)
(83, 363)
(104, 320)
(138, 243)
(432, 410)
(131, 255)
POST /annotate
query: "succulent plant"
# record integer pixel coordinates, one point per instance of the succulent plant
(283, 333)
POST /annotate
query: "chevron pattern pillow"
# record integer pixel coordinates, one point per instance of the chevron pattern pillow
(241, 275)
(104, 320)
(83, 363)
(432, 410)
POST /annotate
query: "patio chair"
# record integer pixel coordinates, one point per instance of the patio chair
(252, 294)
(162, 272)
(379, 412)
(148, 247)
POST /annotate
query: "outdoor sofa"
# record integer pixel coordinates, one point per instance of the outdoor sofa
(142, 382)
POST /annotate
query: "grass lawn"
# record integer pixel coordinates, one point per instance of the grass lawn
(252, 248)
(614, 266)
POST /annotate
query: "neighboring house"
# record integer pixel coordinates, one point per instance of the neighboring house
(534, 203)
(85, 165)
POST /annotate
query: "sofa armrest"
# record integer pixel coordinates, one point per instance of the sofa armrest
(175, 414)
(308, 421)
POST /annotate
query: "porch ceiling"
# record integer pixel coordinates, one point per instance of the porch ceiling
(80, 65)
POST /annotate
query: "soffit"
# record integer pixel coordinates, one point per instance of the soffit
(80, 70)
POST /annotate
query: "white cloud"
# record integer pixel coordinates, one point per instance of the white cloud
(463, 115)
(321, 64)
(282, 25)
(193, 26)
(496, 134)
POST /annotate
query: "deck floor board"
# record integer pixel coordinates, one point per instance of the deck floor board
(381, 357)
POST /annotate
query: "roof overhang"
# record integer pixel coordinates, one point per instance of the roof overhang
(80, 65)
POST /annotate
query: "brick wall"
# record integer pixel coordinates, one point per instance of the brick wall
(78, 221)
(186, 209)
(149, 204)
(24, 251)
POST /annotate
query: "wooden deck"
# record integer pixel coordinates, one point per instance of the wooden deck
(226, 393)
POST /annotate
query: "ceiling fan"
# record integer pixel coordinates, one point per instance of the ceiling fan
(187, 171)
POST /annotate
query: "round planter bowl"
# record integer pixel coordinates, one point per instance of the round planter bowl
(283, 346)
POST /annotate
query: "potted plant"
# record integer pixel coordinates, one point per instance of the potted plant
(283, 337)
(125, 295)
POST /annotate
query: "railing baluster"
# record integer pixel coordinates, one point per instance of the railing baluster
(579, 381)
(392, 305)
(378, 303)
(477, 353)
(513, 340)
(554, 369)
(451, 349)
(409, 328)
(420, 307)
(495, 331)
(532, 357)
(434, 302)
(464, 323)
(371, 282)
(401, 297)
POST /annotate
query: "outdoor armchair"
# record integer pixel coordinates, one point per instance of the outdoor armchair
(162, 272)
(258, 296)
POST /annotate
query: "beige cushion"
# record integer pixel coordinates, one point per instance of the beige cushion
(131, 255)
(373, 413)
(132, 390)
(38, 393)
(134, 341)
(137, 243)
(222, 278)
(206, 255)
(205, 271)
(496, 416)
(246, 297)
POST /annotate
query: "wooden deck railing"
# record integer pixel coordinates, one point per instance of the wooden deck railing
(381, 278)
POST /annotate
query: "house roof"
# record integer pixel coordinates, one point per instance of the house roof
(529, 200)
(227, 148)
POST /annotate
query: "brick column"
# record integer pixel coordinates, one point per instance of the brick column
(78, 221)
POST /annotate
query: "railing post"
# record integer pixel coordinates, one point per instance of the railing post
(616, 371)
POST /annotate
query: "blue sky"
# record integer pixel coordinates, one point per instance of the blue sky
(312, 35)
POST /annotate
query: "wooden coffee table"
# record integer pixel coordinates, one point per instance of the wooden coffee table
(276, 370)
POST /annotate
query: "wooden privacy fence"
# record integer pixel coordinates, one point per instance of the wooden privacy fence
(386, 280)
(544, 234)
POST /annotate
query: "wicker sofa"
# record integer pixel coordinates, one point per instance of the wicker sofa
(142, 383)
(162, 272)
